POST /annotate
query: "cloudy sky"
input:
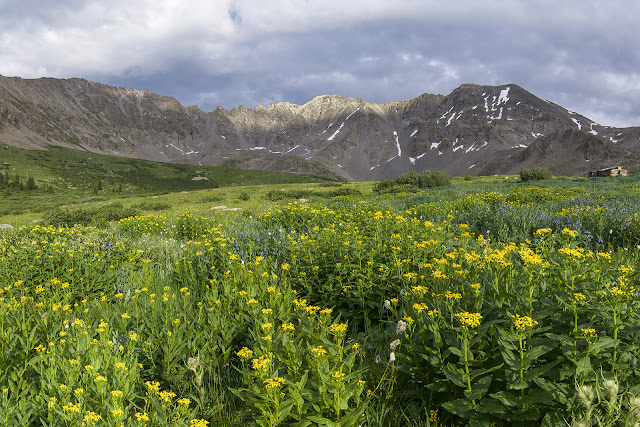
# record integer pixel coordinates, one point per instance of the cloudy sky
(581, 54)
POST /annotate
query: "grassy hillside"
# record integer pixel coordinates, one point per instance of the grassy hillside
(64, 176)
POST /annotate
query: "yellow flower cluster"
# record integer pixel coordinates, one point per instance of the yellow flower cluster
(167, 396)
(524, 322)
(153, 386)
(579, 298)
(453, 295)
(469, 320)
(419, 290)
(419, 306)
(245, 353)
(91, 418)
(338, 375)
(276, 382)
(260, 363)
(338, 328)
(543, 232)
(288, 327)
(318, 351)
(142, 417)
(569, 233)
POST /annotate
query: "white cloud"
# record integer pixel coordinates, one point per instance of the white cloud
(245, 51)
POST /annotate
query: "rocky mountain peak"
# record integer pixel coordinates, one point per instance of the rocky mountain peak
(476, 129)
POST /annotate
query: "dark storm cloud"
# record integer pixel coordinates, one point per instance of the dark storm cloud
(582, 55)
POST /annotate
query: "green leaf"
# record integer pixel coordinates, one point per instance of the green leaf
(536, 352)
(479, 388)
(455, 377)
(604, 343)
(456, 351)
(553, 419)
(460, 407)
(321, 421)
(559, 391)
(510, 358)
(536, 396)
(532, 374)
(506, 397)
(285, 408)
(583, 367)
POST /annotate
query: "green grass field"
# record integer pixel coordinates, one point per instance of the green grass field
(80, 177)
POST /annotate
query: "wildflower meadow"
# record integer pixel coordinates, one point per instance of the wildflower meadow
(515, 305)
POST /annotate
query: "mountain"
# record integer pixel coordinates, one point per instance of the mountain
(476, 130)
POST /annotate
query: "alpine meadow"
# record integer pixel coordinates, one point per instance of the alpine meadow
(480, 301)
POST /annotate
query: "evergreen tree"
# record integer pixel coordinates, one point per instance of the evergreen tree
(31, 184)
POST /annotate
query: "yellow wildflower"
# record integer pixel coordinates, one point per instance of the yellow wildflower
(524, 322)
(152, 385)
(167, 395)
(260, 363)
(116, 394)
(276, 382)
(91, 417)
(70, 407)
(469, 320)
(318, 351)
(288, 327)
(338, 375)
(338, 328)
(244, 353)
(142, 417)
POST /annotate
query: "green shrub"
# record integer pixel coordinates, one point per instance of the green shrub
(384, 185)
(535, 174)
(425, 179)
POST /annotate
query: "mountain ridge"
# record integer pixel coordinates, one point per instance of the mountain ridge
(476, 129)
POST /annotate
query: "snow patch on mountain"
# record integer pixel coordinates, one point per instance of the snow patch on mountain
(331, 124)
(445, 114)
(577, 123)
(335, 133)
(395, 133)
(504, 96)
(450, 118)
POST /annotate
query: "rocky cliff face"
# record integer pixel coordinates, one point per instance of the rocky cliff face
(477, 130)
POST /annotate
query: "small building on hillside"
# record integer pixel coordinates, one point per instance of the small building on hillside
(612, 171)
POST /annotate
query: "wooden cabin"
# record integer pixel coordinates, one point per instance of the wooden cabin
(612, 171)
